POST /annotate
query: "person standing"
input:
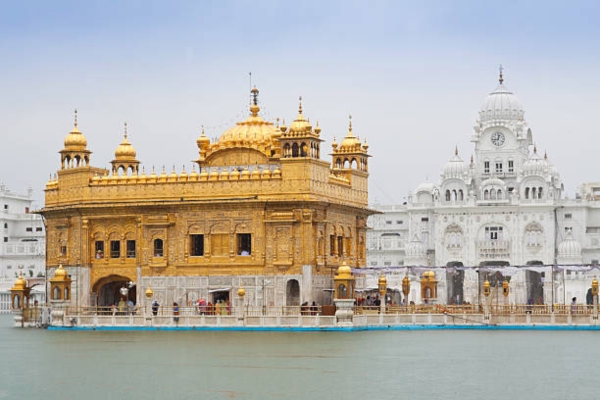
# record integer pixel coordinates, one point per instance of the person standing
(155, 307)
(176, 312)
(574, 305)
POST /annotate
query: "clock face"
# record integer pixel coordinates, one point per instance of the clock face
(498, 138)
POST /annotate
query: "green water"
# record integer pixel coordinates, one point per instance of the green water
(372, 365)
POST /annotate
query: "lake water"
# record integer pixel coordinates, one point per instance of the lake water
(371, 365)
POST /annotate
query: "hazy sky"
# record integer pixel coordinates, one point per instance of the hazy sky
(412, 74)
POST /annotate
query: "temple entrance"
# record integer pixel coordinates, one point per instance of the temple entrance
(535, 284)
(455, 279)
(108, 290)
(292, 293)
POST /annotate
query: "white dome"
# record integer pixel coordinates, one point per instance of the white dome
(501, 104)
(569, 247)
(536, 165)
(456, 168)
(415, 248)
(425, 187)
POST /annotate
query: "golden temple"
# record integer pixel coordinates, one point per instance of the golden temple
(260, 210)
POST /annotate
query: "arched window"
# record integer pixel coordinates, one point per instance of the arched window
(56, 293)
(539, 193)
(499, 194)
(16, 302)
(447, 195)
(533, 193)
(158, 248)
(526, 193)
(303, 150)
(295, 150)
(461, 196)
(486, 195)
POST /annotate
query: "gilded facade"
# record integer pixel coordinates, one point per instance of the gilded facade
(259, 209)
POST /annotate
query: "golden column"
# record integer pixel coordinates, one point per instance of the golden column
(382, 286)
(406, 288)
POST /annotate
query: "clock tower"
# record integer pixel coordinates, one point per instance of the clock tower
(501, 136)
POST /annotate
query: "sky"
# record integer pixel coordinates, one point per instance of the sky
(413, 75)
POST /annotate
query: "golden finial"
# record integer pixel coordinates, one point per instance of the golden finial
(300, 106)
(125, 130)
(277, 122)
(545, 155)
(534, 148)
(202, 130)
(75, 118)
(350, 123)
(456, 150)
(501, 79)
(254, 92)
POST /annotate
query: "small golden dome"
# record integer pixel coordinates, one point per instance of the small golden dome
(125, 151)
(382, 280)
(300, 124)
(202, 140)
(317, 128)
(173, 177)
(344, 270)
(429, 275)
(75, 139)
(20, 283)
(60, 272)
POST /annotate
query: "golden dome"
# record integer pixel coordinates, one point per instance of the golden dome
(254, 130)
(20, 283)
(317, 128)
(60, 272)
(350, 142)
(429, 275)
(344, 271)
(202, 140)
(75, 139)
(300, 124)
(125, 151)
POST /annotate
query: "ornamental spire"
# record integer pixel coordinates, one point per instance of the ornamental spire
(75, 123)
(125, 134)
(501, 78)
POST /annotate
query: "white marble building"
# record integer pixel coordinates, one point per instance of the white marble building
(22, 242)
(503, 207)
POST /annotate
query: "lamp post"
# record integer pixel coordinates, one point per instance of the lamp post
(505, 291)
(149, 293)
(595, 294)
(382, 285)
(241, 292)
(486, 293)
(406, 288)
